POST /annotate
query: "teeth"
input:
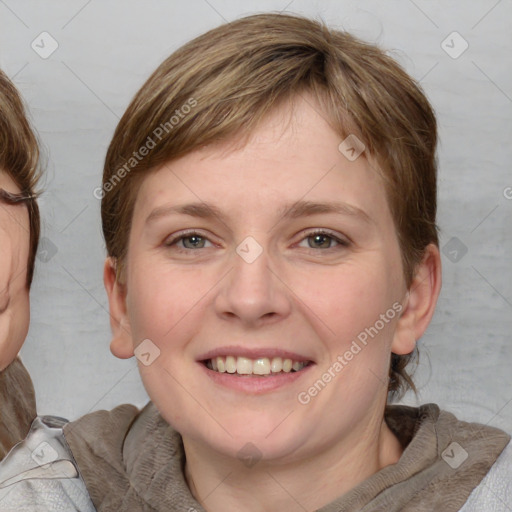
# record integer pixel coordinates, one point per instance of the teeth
(230, 364)
(277, 365)
(262, 366)
(243, 366)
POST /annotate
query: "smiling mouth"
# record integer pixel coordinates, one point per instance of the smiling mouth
(261, 367)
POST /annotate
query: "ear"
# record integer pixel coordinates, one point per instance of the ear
(420, 302)
(122, 344)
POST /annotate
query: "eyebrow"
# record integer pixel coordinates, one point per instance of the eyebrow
(308, 208)
(293, 211)
(201, 210)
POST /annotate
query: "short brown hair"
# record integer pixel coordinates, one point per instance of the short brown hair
(238, 73)
(19, 158)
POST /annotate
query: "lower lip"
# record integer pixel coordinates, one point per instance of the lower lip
(254, 383)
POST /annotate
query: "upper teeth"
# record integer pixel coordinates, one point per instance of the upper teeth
(260, 366)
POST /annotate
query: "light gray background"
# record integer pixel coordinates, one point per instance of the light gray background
(108, 48)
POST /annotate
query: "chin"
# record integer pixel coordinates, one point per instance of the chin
(251, 436)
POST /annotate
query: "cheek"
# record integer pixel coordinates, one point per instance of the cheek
(160, 300)
(14, 323)
(14, 250)
(346, 300)
(5, 273)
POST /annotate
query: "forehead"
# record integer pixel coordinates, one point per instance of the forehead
(293, 154)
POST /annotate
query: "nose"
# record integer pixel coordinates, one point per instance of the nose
(253, 293)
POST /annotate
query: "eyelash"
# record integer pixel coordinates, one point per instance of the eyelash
(327, 233)
(173, 241)
(305, 235)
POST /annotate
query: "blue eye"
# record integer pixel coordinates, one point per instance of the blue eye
(187, 241)
(323, 240)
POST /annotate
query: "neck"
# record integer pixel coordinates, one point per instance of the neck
(221, 483)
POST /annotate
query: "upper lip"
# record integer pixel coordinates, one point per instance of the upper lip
(253, 353)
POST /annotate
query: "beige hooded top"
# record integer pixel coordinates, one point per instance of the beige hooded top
(17, 405)
(133, 461)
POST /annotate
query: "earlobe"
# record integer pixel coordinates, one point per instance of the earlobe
(419, 303)
(121, 345)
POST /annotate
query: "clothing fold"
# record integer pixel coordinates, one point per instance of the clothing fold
(17, 405)
(133, 460)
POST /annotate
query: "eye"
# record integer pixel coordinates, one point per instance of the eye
(193, 242)
(322, 240)
(186, 241)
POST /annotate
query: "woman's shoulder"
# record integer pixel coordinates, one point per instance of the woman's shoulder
(98, 437)
(97, 442)
(495, 490)
(119, 452)
(108, 428)
(101, 423)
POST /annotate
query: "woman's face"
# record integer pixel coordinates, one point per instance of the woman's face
(14, 295)
(283, 251)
